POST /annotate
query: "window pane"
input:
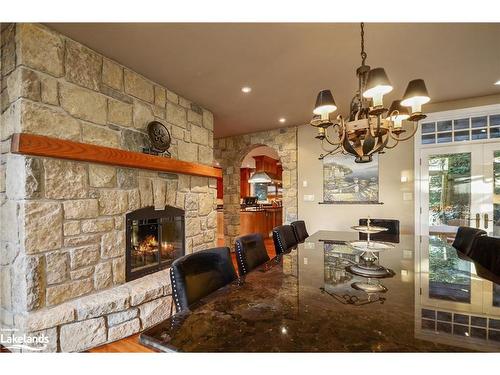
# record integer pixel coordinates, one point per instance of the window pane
(429, 127)
(494, 132)
(449, 189)
(479, 134)
(443, 137)
(428, 139)
(494, 120)
(462, 136)
(479, 122)
(449, 276)
(461, 124)
(443, 126)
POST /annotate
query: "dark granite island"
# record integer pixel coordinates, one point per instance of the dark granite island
(305, 302)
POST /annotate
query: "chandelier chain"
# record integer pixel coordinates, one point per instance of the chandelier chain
(363, 53)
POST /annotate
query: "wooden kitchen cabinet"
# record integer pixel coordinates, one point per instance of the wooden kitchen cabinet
(244, 184)
(262, 221)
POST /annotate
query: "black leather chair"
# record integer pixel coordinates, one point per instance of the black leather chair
(390, 235)
(284, 239)
(196, 275)
(250, 252)
(486, 251)
(465, 238)
(300, 231)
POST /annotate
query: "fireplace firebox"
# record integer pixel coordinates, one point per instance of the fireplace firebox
(154, 238)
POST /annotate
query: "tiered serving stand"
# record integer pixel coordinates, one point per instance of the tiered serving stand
(368, 266)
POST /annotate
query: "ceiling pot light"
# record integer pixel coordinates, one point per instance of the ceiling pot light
(246, 89)
(368, 129)
(497, 83)
(282, 120)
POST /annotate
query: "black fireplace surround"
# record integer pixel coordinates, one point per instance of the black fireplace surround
(154, 239)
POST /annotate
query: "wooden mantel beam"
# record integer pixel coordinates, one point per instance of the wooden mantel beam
(30, 144)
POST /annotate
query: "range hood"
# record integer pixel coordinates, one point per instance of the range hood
(260, 178)
(264, 178)
(266, 171)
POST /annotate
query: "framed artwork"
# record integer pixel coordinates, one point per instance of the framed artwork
(345, 181)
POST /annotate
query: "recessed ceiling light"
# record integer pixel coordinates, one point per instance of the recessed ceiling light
(497, 83)
(282, 120)
(246, 89)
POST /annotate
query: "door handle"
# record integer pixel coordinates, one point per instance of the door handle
(487, 220)
(478, 220)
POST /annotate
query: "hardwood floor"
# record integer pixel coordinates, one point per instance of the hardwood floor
(131, 344)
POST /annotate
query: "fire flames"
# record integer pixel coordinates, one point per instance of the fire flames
(149, 245)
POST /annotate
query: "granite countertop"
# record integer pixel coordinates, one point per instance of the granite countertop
(305, 302)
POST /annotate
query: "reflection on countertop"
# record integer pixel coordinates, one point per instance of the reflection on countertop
(306, 302)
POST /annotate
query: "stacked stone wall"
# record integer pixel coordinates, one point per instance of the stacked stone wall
(62, 222)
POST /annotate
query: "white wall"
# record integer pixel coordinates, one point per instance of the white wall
(393, 165)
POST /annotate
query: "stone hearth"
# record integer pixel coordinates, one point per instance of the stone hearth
(62, 253)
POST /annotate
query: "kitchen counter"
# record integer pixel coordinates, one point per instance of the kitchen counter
(261, 220)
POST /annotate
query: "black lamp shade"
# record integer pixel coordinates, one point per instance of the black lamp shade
(415, 92)
(377, 81)
(402, 111)
(324, 103)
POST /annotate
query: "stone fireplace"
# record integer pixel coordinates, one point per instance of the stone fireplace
(154, 239)
(63, 244)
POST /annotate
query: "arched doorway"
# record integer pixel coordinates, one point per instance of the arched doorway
(229, 154)
(261, 191)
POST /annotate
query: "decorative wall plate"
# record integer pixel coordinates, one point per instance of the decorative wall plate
(159, 136)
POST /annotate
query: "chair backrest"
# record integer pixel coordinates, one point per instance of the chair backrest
(250, 252)
(391, 224)
(284, 239)
(300, 231)
(196, 275)
(486, 251)
(465, 238)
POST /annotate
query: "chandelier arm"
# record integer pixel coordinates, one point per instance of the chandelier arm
(335, 151)
(327, 150)
(333, 143)
(415, 128)
(391, 147)
(341, 125)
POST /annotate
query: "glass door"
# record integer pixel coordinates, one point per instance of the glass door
(490, 207)
(452, 188)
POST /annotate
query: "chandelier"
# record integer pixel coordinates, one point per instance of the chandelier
(370, 128)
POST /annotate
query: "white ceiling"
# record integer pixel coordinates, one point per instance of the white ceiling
(287, 64)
